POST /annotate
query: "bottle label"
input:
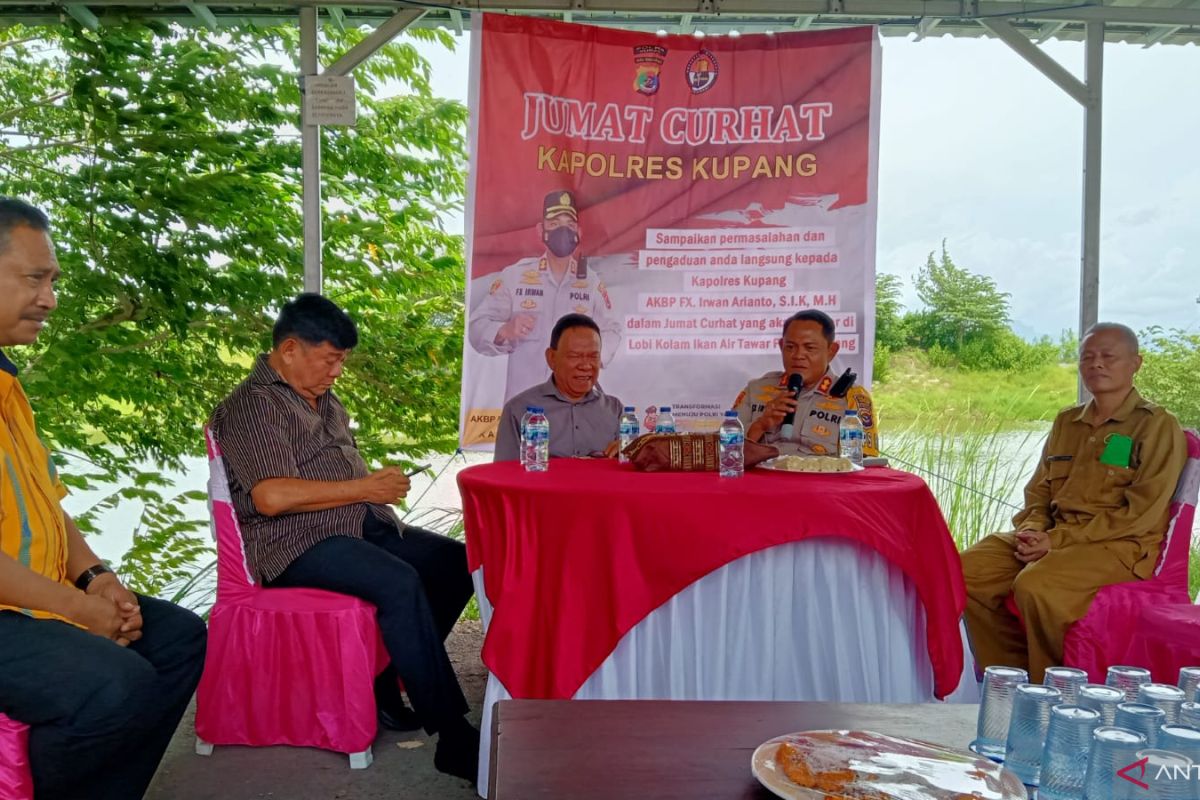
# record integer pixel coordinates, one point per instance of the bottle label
(731, 437)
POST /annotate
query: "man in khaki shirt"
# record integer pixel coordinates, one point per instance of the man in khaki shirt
(1095, 513)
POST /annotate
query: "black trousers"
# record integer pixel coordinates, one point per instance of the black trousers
(100, 715)
(419, 585)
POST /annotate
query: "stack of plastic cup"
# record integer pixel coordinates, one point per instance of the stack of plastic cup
(1067, 680)
(1168, 775)
(1027, 730)
(1065, 755)
(1189, 681)
(1189, 714)
(1162, 695)
(1113, 749)
(995, 709)
(1127, 679)
(1182, 739)
(1104, 699)
(1141, 718)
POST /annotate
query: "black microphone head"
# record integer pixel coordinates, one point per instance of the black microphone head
(795, 383)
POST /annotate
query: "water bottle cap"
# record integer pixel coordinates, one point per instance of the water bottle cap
(664, 409)
(729, 414)
(851, 412)
(537, 409)
(530, 409)
(629, 409)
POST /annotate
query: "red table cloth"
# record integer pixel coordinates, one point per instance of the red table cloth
(577, 556)
(1164, 639)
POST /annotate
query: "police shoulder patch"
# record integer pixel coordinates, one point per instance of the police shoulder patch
(496, 284)
(740, 399)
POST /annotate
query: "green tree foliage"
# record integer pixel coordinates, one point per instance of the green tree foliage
(960, 304)
(169, 162)
(889, 316)
(1171, 362)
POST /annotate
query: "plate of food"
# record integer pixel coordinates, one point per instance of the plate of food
(822, 464)
(863, 765)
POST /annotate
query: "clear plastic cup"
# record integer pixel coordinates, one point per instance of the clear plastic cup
(995, 709)
(1127, 679)
(1162, 695)
(1027, 730)
(1189, 714)
(1065, 755)
(1112, 749)
(1143, 719)
(1067, 680)
(1182, 739)
(1167, 776)
(1104, 699)
(1189, 681)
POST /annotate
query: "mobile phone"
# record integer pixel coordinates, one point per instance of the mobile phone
(415, 470)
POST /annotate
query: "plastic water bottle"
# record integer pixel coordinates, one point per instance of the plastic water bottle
(731, 441)
(525, 421)
(537, 441)
(629, 430)
(666, 420)
(850, 437)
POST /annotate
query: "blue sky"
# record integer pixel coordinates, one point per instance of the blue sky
(980, 149)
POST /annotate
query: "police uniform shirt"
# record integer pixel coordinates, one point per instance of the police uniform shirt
(529, 287)
(576, 429)
(815, 431)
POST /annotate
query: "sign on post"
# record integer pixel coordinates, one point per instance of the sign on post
(329, 100)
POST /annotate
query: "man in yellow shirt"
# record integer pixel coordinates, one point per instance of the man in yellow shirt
(1095, 513)
(101, 675)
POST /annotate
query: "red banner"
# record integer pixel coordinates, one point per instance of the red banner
(688, 193)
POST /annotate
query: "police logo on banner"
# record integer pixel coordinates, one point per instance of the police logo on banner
(702, 71)
(648, 59)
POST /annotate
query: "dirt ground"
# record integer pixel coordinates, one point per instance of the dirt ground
(403, 765)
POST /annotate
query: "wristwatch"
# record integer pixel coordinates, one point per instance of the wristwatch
(90, 574)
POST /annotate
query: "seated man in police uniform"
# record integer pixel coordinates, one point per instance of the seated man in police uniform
(807, 348)
(583, 419)
(1096, 510)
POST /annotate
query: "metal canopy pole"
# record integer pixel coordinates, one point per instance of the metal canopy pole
(1089, 266)
(369, 46)
(310, 145)
(1088, 93)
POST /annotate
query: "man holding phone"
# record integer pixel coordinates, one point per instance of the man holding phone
(1095, 513)
(313, 515)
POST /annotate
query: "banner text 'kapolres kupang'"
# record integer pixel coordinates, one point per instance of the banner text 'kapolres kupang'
(691, 127)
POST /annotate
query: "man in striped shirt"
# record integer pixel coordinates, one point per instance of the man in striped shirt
(313, 514)
(102, 676)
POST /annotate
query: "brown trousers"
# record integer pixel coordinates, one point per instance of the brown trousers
(1050, 593)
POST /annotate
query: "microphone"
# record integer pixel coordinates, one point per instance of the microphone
(795, 385)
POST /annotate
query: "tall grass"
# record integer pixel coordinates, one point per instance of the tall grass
(976, 473)
(977, 476)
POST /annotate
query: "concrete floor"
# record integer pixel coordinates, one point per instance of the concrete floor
(403, 765)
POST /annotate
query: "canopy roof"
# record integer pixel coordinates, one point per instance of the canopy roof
(1144, 22)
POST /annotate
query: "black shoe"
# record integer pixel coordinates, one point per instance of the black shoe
(398, 719)
(458, 751)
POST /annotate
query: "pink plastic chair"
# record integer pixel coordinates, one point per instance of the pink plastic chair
(284, 666)
(16, 782)
(1102, 638)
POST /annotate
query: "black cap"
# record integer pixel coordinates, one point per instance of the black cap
(559, 202)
